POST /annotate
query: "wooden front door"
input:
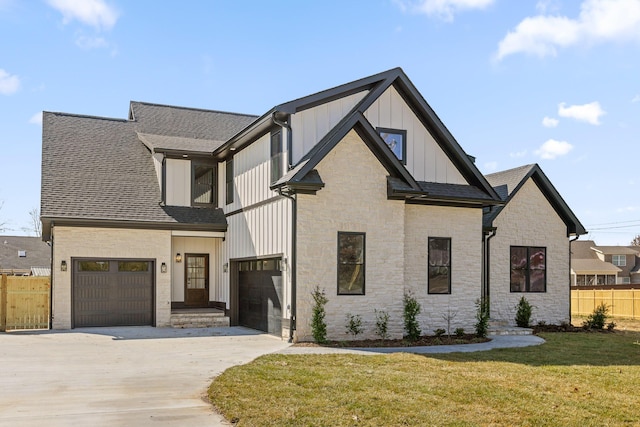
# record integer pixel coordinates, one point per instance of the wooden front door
(196, 280)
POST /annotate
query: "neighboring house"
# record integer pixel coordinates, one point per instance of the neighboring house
(594, 265)
(24, 256)
(359, 190)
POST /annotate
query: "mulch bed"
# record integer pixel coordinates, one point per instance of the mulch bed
(426, 340)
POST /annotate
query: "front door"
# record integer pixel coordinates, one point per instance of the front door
(196, 280)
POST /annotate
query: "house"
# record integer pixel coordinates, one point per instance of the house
(528, 246)
(359, 190)
(594, 265)
(24, 256)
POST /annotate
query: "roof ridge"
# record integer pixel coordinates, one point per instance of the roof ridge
(527, 166)
(153, 104)
(86, 116)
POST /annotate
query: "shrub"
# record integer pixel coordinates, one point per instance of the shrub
(611, 326)
(523, 313)
(459, 332)
(354, 324)
(318, 325)
(482, 318)
(411, 311)
(382, 322)
(597, 319)
(439, 332)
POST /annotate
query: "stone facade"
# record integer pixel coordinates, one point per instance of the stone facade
(464, 227)
(70, 242)
(354, 199)
(529, 220)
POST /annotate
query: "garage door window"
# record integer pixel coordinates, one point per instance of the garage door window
(93, 266)
(133, 266)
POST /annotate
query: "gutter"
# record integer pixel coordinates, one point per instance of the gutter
(486, 276)
(570, 241)
(294, 243)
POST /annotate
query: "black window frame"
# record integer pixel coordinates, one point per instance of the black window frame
(229, 181)
(432, 264)
(531, 251)
(342, 262)
(214, 183)
(402, 132)
(276, 155)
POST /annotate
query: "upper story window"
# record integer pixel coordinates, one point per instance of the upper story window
(439, 265)
(276, 155)
(619, 260)
(396, 140)
(528, 269)
(203, 184)
(229, 181)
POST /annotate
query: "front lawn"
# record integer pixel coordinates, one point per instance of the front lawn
(575, 379)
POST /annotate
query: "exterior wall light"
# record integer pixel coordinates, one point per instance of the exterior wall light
(283, 264)
(163, 267)
(178, 257)
(63, 265)
(225, 267)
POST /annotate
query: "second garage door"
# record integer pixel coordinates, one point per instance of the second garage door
(113, 292)
(260, 295)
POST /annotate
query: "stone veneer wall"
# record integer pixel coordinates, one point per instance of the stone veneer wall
(464, 227)
(529, 220)
(109, 243)
(354, 199)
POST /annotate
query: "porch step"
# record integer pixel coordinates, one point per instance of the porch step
(215, 319)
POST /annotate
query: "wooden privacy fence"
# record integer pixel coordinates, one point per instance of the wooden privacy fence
(621, 302)
(24, 302)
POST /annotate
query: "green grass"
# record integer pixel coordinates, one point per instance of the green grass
(575, 379)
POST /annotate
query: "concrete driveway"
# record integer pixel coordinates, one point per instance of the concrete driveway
(131, 376)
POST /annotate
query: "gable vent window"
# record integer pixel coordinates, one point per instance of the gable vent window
(203, 184)
(396, 140)
(22, 254)
(276, 156)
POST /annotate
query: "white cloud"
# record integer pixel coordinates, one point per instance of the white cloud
(550, 122)
(589, 113)
(636, 98)
(518, 154)
(9, 84)
(85, 42)
(36, 119)
(491, 166)
(599, 21)
(442, 9)
(552, 149)
(628, 209)
(95, 13)
(544, 6)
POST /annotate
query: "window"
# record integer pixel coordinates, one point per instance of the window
(93, 266)
(619, 260)
(276, 155)
(229, 181)
(203, 188)
(396, 140)
(133, 266)
(528, 269)
(439, 265)
(351, 263)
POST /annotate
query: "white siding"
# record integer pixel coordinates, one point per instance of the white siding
(178, 191)
(309, 126)
(425, 159)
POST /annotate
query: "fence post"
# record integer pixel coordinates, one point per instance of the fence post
(3, 303)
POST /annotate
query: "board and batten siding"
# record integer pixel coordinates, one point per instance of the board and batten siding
(178, 180)
(425, 159)
(310, 125)
(259, 220)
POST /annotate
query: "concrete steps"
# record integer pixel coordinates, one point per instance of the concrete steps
(502, 327)
(198, 319)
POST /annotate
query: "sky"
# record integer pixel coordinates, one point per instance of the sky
(516, 82)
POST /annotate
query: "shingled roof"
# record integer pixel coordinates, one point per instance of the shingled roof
(508, 182)
(21, 254)
(96, 169)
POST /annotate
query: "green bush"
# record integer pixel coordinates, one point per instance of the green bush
(598, 318)
(459, 332)
(318, 325)
(411, 311)
(482, 318)
(382, 324)
(523, 313)
(439, 332)
(354, 324)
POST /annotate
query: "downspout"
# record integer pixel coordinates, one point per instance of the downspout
(51, 281)
(487, 271)
(294, 221)
(570, 241)
(294, 242)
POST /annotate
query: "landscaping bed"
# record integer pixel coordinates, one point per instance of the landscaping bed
(426, 340)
